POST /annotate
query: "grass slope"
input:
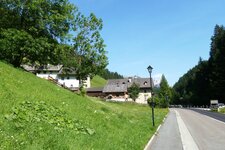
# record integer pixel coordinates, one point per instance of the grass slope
(98, 81)
(116, 125)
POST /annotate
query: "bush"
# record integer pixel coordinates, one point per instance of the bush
(158, 102)
(222, 110)
(82, 91)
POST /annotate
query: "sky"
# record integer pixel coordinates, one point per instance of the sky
(169, 35)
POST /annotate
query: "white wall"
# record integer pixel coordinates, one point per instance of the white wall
(143, 97)
(71, 82)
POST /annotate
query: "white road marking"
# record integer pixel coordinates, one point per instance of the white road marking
(186, 138)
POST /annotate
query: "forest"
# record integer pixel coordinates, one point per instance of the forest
(206, 80)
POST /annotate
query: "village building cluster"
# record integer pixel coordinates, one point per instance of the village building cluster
(114, 90)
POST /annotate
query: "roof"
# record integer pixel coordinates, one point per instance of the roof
(67, 71)
(59, 68)
(121, 85)
(114, 88)
(143, 82)
(42, 68)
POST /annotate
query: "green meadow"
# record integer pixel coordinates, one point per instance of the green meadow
(37, 114)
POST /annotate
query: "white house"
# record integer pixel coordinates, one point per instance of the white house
(64, 76)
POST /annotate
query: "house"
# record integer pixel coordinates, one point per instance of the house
(63, 75)
(95, 92)
(117, 89)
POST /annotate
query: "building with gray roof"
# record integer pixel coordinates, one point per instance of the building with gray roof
(117, 89)
(65, 76)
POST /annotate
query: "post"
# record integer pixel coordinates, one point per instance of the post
(167, 101)
(152, 99)
(153, 119)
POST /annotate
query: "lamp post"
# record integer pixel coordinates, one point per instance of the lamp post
(152, 101)
(167, 100)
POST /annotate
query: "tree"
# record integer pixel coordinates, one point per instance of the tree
(34, 29)
(40, 18)
(134, 91)
(193, 86)
(201, 84)
(89, 47)
(17, 46)
(164, 93)
(206, 80)
(38, 31)
(217, 63)
(106, 74)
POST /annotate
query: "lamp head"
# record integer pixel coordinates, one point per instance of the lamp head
(150, 69)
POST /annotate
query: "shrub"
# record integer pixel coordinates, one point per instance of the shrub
(222, 110)
(133, 91)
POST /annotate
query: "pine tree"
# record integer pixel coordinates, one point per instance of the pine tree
(164, 92)
(217, 64)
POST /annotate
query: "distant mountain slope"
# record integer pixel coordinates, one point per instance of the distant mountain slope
(106, 74)
(37, 114)
(157, 79)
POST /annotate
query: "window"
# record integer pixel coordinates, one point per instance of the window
(50, 72)
(68, 78)
(145, 91)
(62, 78)
(44, 72)
(145, 83)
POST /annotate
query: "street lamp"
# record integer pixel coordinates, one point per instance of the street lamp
(152, 101)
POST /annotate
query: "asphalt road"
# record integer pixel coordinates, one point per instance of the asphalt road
(214, 115)
(186, 129)
(208, 133)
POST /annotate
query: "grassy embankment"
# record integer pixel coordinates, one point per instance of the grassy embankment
(36, 114)
(98, 81)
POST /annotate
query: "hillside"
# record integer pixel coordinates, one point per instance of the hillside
(98, 81)
(36, 114)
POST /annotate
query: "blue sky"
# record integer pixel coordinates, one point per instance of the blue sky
(169, 35)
